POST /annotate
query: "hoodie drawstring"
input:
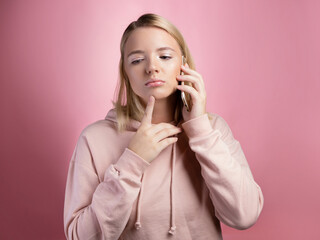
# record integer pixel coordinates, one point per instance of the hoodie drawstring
(172, 200)
(173, 162)
(138, 223)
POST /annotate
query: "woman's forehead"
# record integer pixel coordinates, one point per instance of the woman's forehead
(150, 38)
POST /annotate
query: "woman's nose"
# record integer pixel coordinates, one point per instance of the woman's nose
(152, 66)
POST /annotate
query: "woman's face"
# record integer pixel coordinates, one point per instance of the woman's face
(152, 60)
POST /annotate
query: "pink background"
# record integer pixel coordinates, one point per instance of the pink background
(260, 62)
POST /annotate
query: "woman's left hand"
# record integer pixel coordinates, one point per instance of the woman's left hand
(197, 92)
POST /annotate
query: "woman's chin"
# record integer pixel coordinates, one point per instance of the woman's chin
(164, 96)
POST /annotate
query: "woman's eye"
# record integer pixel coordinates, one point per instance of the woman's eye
(165, 57)
(136, 61)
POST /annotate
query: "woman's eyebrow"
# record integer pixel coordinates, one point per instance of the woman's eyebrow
(158, 50)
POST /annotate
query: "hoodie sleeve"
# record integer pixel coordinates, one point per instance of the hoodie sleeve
(95, 209)
(237, 198)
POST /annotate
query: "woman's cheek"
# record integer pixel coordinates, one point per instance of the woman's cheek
(174, 69)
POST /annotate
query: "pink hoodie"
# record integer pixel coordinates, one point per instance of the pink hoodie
(204, 178)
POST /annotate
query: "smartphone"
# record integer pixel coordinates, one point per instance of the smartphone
(183, 95)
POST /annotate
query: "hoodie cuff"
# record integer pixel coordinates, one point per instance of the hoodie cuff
(198, 126)
(131, 164)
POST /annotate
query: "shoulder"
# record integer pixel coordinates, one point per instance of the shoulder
(99, 145)
(98, 127)
(102, 126)
(99, 132)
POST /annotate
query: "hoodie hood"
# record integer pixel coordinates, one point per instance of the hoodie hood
(133, 126)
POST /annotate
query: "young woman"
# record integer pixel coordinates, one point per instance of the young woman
(153, 169)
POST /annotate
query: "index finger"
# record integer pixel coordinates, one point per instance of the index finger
(186, 69)
(147, 117)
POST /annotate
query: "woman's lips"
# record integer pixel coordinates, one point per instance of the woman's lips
(154, 83)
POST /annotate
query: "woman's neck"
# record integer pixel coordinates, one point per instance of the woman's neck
(164, 109)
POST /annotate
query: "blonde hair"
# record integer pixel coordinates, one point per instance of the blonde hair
(128, 105)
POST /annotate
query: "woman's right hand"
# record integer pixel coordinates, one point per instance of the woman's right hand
(150, 139)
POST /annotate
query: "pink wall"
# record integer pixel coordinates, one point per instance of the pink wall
(260, 62)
